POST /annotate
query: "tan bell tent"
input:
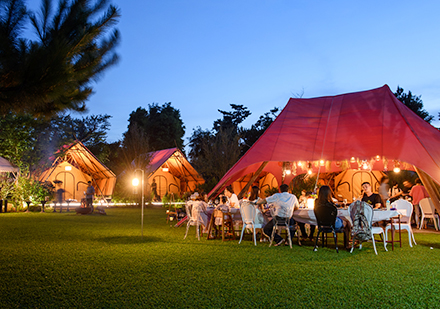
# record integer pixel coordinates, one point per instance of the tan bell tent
(74, 168)
(171, 172)
(348, 183)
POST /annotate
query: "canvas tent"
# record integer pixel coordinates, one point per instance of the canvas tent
(74, 167)
(361, 130)
(7, 167)
(172, 172)
(348, 183)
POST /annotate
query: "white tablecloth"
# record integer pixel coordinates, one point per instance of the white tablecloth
(308, 216)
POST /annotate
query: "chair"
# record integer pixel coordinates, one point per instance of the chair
(248, 214)
(280, 224)
(222, 217)
(366, 210)
(405, 221)
(427, 209)
(192, 220)
(171, 214)
(326, 219)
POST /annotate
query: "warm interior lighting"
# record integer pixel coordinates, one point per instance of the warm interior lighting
(309, 172)
(377, 158)
(299, 163)
(322, 162)
(352, 160)
(396, 170)
(68, 168)
(165, 169)
(135, 182)
(288, 172)
(365, 166)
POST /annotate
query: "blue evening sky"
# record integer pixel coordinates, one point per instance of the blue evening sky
(203, 55)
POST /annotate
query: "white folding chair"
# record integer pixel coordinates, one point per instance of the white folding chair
(368, 212)
(248, 214)
(192, 220)
(427, 209)
(405, 221)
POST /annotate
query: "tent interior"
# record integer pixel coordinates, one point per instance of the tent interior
(74, 167)
(366, 130)
(7, 167)
(171, 172)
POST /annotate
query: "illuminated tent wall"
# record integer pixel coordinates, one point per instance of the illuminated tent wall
(362, 130)
(172, 172)
(75, 167)
(348, 183)
(264, 181)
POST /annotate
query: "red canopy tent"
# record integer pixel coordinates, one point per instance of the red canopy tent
(368, 129)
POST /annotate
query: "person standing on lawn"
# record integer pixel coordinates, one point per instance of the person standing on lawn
(90, 192)
(284, 203)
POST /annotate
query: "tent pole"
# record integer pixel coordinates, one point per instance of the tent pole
(251, 181)
(430, 186)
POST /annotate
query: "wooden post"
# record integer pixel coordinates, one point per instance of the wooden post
(251, 181)
(431, 187)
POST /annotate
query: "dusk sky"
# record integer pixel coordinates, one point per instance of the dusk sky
(203, 55)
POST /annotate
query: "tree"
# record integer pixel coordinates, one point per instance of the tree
(160, 126)
(54, 73)
(414, 103)
(29, 142)
(233, 118)
(250, 136)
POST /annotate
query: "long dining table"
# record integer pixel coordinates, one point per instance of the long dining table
(307, 215)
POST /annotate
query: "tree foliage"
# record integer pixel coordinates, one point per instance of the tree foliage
(29, 142)
(414, 103)
(75, 44)
(160, 127)
(213, 152)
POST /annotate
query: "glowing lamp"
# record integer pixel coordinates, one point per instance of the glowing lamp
(322, 162)
(377, 158)
(352, 160)
(309, 172)
(396, 170)
(288, 172)
(299, 163)
(165, 169)
(68, 168)
(310, 203)
(135, 182)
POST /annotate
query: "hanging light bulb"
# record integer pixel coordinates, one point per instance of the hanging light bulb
(377, 158)
(352, 160)
(365, 165)
(288, 172)
(321, 162)
(309, 172)
(165, 169)
(396, 167)
(299, 163)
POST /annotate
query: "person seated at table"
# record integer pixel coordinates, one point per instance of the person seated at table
(199, 211)
(221, 208)
(232, 197)
(325, 200)
(283, 203)
(303, 198)
(369, 197)
(254, 198)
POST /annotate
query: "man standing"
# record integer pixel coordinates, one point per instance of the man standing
(90, 192)
(369, 197)
(417, 193)
(284, 204)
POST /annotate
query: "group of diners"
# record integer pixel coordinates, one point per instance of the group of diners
(285, 203)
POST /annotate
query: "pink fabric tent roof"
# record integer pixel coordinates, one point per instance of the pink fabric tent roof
(362, 124)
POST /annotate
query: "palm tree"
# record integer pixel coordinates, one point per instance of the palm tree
(53, 73)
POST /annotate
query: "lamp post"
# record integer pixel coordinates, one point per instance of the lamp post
(135, 183)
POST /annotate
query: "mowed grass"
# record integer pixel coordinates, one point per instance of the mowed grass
(53, 260)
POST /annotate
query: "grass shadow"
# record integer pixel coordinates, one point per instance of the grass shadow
(130, 240)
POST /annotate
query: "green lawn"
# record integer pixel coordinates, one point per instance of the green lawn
(53, 260)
